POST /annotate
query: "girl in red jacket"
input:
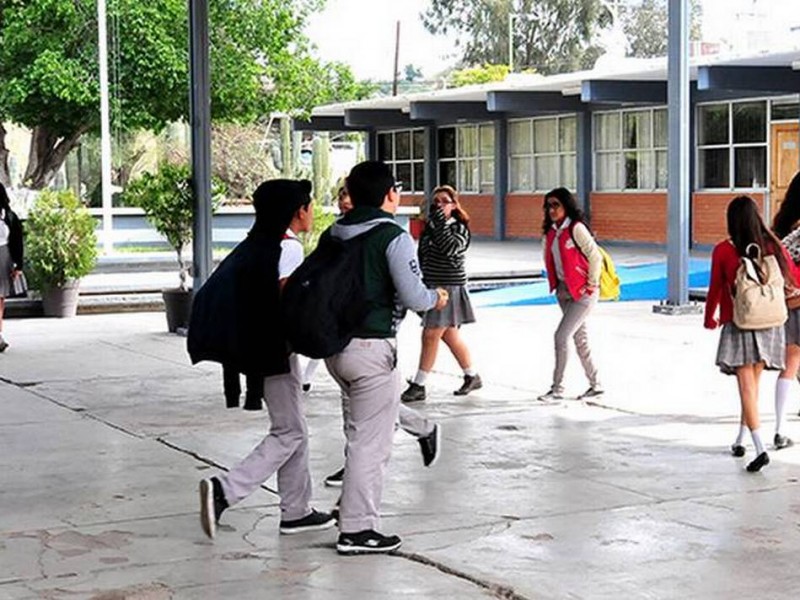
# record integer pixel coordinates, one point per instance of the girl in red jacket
(573, 263)
(744, 353)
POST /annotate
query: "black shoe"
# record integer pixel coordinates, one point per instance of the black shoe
(335, 479)
(471, 383)
(549, 395)
(314, 521)
(367, 542)
(592, 392)
(253, 403)
(429, 446)
(414, 393)
(781, 442)
(3, 345)
(738, 450)
(762, 460)
(306, 387)
(212, 505)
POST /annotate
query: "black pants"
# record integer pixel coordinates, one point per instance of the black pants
(233, 389)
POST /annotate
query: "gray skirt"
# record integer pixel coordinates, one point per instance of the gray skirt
(792, 327)
(738, 347)
(5, 272)
(457, 311)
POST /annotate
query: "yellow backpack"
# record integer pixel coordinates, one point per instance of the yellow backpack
(609, 280)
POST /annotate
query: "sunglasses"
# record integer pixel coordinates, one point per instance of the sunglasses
(398, 187)
(552, 205)
(443, 201)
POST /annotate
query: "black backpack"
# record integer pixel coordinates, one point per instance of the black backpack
(324, 301)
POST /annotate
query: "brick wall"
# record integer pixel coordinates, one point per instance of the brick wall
(481, 211)
(708, 219)
(524, 215)
(630, 217)
(412, 199)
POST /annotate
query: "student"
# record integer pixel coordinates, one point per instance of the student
(442, 251)
(744, 353)
(11, 254)
(573, 263)
(366, 370)
(236, 320)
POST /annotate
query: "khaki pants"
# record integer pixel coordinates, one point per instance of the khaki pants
(284, 449)
(366, 371)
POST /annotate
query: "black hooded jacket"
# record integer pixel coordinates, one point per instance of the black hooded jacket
(15, 245)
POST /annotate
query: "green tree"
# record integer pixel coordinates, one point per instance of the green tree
(645, 25)
(260, 62)
(550, 36)
(411, 73)
(474, 75)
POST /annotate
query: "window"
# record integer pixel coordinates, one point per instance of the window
(631, 150)
(542, 153)
(732, 145)
(404, 152)
(466, 157)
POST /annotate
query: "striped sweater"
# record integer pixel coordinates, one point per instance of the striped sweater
(442, 250)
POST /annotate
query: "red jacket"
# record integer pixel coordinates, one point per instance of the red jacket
(724, 264)
(576, 267)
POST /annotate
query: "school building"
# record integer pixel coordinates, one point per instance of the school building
(601, 133)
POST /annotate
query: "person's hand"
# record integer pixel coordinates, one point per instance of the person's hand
(710, 323)
(444, 297)
(589, 289)
(437, 215)
(15, 273)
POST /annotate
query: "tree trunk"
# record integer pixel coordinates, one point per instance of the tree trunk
(5, 175)
(47, 153)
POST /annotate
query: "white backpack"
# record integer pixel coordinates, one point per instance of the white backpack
(759, 303)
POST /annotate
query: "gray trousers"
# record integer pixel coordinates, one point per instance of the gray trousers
(367, 371)
(284, 449)
(409, 420)
(573, 325)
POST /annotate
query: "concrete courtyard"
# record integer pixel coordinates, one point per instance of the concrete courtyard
(105, 430)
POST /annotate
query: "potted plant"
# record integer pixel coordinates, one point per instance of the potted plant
(61, 247)
(167, 200)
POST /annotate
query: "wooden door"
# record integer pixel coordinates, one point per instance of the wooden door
(785, 160)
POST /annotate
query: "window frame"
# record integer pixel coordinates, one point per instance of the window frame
(622, 151)
(460, 160)
(732, 146)
(531, 155)
(411, 186)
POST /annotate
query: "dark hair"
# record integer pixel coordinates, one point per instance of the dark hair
(4, 200)
(745, 227)
(369, 182)
(567, 200)
(458, 211)
(789, 212)
(276, 201)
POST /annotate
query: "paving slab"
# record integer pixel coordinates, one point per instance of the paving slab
(106, 428)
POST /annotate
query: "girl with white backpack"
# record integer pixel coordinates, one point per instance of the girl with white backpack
(748, 274)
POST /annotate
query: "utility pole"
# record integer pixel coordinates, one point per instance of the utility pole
(105, 126)
(396, 59)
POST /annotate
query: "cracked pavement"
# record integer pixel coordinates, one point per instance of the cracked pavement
(106, 429)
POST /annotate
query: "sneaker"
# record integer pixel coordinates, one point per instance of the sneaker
(212, 504)
(762, 460)
(429, 446)
(3, 345)
(367, 542)
(314, 521)
(335, 479)
(550, 394)
(414, 393)
(471, 383)
(592, 392)
(306, 387)
(781, 442)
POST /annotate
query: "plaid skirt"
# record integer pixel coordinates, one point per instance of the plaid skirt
(792, 327)
(458, 310)
(5, 271)
(738, 347)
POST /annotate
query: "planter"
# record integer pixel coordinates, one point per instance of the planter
(178, 305)
(61, 301)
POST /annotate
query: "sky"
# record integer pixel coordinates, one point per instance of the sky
(361, 33)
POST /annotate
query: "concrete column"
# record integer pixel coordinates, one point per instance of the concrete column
(583, 159)
(500, 177)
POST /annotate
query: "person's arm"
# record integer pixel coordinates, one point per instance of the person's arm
(405, 273)
(715, 289)
(588, 246)
(452, 239)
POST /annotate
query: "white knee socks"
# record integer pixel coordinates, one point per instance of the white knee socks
(740, 438)
(782, 389)
(421, 377)
(757, 441)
